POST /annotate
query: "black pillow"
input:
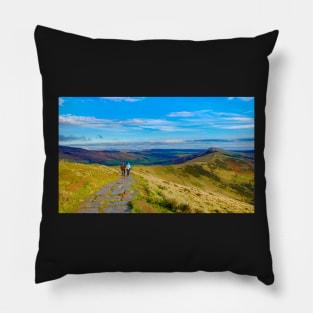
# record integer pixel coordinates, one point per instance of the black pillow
(167, 93)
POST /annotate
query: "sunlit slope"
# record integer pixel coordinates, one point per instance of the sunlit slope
(79, 181)
(215, 182)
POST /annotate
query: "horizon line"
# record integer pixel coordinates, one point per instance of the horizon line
(147, 149)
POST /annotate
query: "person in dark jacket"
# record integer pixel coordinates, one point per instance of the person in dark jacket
(123, 167)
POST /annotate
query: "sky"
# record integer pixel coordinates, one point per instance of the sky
(137, 123)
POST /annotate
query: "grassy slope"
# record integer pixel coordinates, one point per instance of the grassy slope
(79, 181)
(231, 176)
(212, 183)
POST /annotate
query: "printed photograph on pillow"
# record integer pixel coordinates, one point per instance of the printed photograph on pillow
(156, 155)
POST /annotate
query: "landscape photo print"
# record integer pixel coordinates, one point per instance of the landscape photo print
(156, 155)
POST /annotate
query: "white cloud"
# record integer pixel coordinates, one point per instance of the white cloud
(227, 114)
(242, 98)
(121, 99)
(189, 113)
(246, 98)
(157, 124)
(85, 121)
(173, 141)
(61, 101)
(241, 126)
(138, 123)
(160, 127)
(181, 114)
(165, 144)
(240, 119)
(147, 121)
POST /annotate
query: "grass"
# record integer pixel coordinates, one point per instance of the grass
(139, 204)
(151, 199)
(79, 181)
(206, 177)
(197, 170)
(212, 184)
(215, 184)
(228, 175)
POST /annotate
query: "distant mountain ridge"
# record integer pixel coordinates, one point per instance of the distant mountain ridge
(93, 156)
(236, 154)
(144, 157)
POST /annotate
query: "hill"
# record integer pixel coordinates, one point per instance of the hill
(79, 181)
(217, 181)
(196, 156)
(92, 156)
(114, 158)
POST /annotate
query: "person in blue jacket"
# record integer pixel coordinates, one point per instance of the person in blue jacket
(128, 167)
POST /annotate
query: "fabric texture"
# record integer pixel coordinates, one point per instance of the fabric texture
(76, 66)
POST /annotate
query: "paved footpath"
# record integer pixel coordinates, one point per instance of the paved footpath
(114, 197)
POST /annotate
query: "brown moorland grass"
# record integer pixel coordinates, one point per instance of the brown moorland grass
(209, 184)
(171, 197)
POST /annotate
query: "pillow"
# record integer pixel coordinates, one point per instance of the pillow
(188, 117)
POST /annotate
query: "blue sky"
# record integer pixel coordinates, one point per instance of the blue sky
(107, 123)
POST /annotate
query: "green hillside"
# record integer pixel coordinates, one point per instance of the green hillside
(215, 182)
(231, 173)
(79, 181)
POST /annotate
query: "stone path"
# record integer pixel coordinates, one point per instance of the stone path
(111, 198)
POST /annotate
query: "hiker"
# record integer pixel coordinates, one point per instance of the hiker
(123, 167)
(128, 167)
